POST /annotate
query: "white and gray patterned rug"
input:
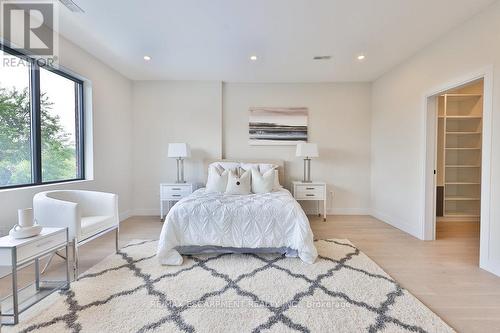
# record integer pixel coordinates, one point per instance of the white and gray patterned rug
(344, 291)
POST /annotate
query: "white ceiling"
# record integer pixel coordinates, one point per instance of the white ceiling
(213, 39)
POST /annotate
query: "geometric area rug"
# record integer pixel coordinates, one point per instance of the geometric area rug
(343, 291)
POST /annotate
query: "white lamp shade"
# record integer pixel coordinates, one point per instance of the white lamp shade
(177, 150)
(307, 150)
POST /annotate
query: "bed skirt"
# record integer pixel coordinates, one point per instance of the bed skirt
(195, 249)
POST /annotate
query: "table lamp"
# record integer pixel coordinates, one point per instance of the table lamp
(307, 150)
(179, 151)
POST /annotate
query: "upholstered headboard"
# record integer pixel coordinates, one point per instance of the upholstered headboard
(279, 163)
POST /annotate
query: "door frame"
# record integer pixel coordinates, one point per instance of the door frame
(429, 144)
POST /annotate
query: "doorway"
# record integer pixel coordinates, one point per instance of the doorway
(458, 154)
(457, 162)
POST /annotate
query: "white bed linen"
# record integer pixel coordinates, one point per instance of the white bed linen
(268, 220)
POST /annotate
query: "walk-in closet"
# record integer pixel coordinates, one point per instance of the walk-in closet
(459, 145)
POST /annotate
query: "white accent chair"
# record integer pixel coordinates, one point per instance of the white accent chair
(86, 214)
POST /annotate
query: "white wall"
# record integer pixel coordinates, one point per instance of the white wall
(133, 123)
(170, 111)
(397, 122)
(339, 121)
(213, 119)
(112, 121)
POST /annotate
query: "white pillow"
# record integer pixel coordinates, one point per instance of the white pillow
(277, 186)
(217, 179)
(239, 185)
(262, 183)
(264, 167)
(249, 166)
(226, 165)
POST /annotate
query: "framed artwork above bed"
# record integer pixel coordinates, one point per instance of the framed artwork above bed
(270, 126)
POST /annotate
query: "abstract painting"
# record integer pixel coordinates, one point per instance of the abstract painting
(277, 126)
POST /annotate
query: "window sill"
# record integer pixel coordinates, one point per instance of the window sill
(43, 186)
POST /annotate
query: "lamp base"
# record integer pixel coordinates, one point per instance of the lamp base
(307, 171)
(180, 171)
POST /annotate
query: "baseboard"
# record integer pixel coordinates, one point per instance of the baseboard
(491, 267)
(146, 212)
(397, 223)
(125, 215)
(348, 211)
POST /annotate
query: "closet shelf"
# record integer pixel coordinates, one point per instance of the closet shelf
(462, 133)
(462, 166)
(464, 117)
(462, 183)
(462, 148)
(462, 214)
(454, 198)
(463, 95)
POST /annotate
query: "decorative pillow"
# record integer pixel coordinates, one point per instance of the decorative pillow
(239, 185)
(277, 186)
(217, 179)
(264, 167)
(262, 183)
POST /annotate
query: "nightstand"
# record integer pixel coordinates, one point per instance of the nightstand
(315, 191)
(20, 253)
(172, 192)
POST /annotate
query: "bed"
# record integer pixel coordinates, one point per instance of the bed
(220, 223)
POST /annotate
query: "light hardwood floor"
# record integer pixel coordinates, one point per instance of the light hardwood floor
(443, 274)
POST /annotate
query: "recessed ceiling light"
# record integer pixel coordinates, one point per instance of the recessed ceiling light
(361, 57)
(323, 57)
(253, 58)
(147, 58)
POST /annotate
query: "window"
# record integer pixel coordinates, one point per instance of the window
(15, 122)
(41, 123)
(59, 127)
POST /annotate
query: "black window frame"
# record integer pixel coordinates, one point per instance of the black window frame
(35, 117)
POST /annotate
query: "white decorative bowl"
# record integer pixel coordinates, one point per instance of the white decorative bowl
(19, 232)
